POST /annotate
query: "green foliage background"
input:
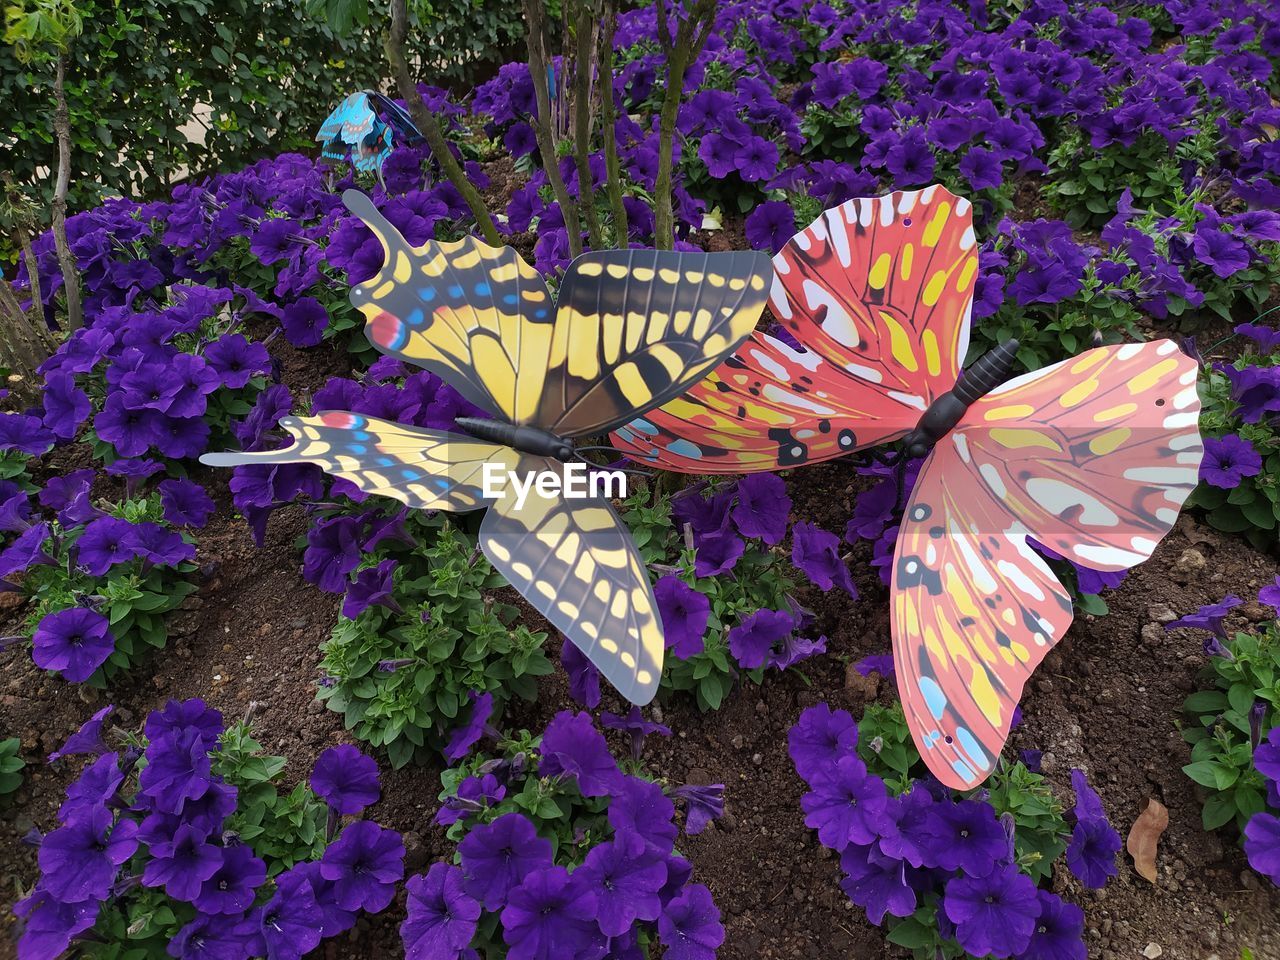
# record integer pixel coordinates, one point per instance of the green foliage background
(270, 69)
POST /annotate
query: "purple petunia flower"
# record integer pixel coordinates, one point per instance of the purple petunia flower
(1270, 595)
(304, 322)
(904, 828)
(236, 360)
(1091, 855)
(1266, 756)
(442, 916)
(717, 552)
(551, 916)
(1261, 845)
(752, 641)
(96, 786)
(88, 739)
(178, 769)
(703, 804)
(333, 551)
(288, 925)
(573, 747)
(364, 865)
(965, 836)
(635, 726)
(74, 642)
(820, 739)
(1059, 931)
(685, 613)
(106, 542)
(762, 507)
(24, 434)
(1228, 460)
(1267, 338)
(183, 863)
(584, 676)
(181, 716)
(769, 226)
(625, 881)
(1224, 254)
(815, 552)
(876, 883)
(66, 406)
(994, 914)
(690, 925)
(1209, 617)
(1256, 391)
(27, 550)
(50, 925)
(845, 805)
(209, 938)
(79, 861)
(463, 738)
(881, 663)
(372, 587)
(872, 512)
(498, 856)
(185, 503)
(910, 160)
(643, 808)
(796, 649)
(346, 779)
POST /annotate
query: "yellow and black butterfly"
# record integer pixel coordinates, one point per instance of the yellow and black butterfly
(630, 331)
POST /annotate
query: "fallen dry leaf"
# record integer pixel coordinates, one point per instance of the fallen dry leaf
(1144, 836)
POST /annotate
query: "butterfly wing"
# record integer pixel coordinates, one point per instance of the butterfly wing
(479, 317)
(635, 328)
(769, 406)
(331, 133)
(973, 611)
(878, 294)
(427, 469)
(397, 116)
(575, 561)
(1095, 455)
(1092, 457)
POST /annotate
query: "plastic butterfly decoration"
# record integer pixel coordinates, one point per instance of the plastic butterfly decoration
(630, 330)
(1091, 457)
(356, 131)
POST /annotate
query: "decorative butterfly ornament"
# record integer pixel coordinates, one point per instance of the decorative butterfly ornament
(356, 131)
(1092, 457)
(630, 330)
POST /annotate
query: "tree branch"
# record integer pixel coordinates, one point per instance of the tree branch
(604, 86)
(587, 38)
(535, 36)
(691, 36)
(426, 122)
(67, 263)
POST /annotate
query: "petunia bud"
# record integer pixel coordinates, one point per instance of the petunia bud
(1214, 647)
(1257, 714)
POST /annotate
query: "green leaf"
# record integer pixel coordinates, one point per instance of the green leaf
(1206, 701)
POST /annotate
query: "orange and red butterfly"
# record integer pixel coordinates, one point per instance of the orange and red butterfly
(1091, 457)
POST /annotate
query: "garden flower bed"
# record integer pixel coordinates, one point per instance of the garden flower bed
(1124, 171)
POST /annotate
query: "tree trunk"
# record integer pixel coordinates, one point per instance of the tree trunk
(429, 126)
(691, 36)
(25, 343)
(67, 263)
(587, 37)
(604, 86)
(536, 38)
